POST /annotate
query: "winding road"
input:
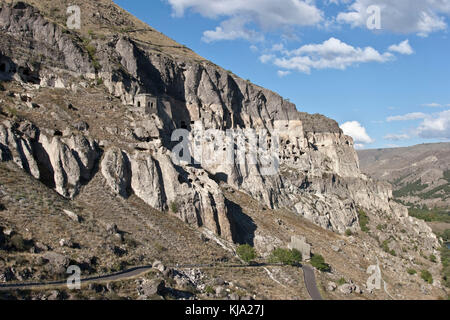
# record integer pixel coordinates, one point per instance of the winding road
(308, 273)
(310, 281)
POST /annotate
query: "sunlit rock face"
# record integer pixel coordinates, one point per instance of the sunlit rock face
(301, 162)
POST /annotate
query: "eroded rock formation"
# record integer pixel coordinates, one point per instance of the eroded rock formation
(318, 177)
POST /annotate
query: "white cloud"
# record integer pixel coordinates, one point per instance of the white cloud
(402, 48)
(283, 74)
(436, 126)
(266, 58)
(331, 54)
(435, 105)
(396, 137)
(433, 126)
(408, 117)
(266, 14)
(401, 16)
(359, 134)
(232, 29)
(278, 47)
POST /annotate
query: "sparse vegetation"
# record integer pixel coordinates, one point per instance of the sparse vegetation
(286, 256)
(319, 263)
(447, 175)
(445, 235)
(246, 252)
(209, 290)
(385, 247)
(348, 232)
(341, 281)
(363, 220)
(438, 192)
(411, 271)
(430, 215)
(174, 206)
(445, 259)
(91, 34)
(92, 52)
(433, 258)
(426, 276)
(410, 189)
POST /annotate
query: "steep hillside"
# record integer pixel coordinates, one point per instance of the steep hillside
(86, 129)
(420, 174)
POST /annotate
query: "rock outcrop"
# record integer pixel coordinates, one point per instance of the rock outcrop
(316, 167)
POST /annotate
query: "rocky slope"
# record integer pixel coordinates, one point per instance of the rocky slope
(70, 119)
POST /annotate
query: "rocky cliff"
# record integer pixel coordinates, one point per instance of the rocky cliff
(319, 174)
(71, 114)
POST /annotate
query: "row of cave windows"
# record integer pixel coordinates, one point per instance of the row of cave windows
(150, 104)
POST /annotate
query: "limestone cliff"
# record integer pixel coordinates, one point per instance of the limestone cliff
(318, 178)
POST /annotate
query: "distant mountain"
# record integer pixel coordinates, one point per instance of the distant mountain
(420, 174)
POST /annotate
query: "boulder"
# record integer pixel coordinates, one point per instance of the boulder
(149, 288)
(346, 288)
(73, 216)
(331, 286)
(57, 263)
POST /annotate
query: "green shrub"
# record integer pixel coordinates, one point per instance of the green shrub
(385, 247)
(363, 220)
(426, 276)
(174, 207)
(92, 52)
(433, 258)
(411, 271)
(445, 258)
(91, 34)
(348, 232)
(318, 262)
(341, 281)
(286, 256)
(246, 252)
(210, 290)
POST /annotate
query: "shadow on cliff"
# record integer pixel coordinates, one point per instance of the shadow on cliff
(242, 226)
(8, 69)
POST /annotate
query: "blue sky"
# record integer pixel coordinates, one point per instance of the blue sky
(382, 70)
